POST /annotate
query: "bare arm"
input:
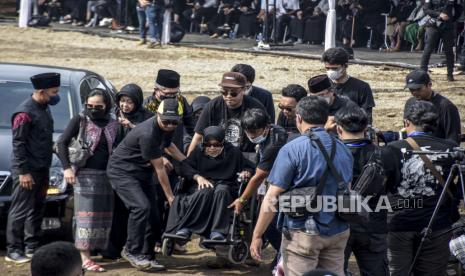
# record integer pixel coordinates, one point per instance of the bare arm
(174, 152)
(163, 178)
(267, 213)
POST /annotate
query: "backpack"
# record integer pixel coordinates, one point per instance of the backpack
(372, 178)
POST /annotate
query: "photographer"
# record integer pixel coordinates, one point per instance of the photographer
(440, 26)
(417, 195)
(300, 163)
(367, 240)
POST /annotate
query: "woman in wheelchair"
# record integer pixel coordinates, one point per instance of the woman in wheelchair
(201, 205)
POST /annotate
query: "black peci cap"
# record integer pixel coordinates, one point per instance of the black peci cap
(319, 83)
(168, 78)
(45, 81)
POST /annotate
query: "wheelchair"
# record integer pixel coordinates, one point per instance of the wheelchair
(235, 247)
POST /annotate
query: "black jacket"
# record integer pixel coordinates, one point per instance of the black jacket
(33, 138)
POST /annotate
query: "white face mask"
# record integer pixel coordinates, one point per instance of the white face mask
(214, 155)
(258, 139)
(335, 74)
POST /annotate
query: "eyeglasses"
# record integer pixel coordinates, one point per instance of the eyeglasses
(91, 106)
(232, 93)
(215, 145)
(287, 108)
(170, 122)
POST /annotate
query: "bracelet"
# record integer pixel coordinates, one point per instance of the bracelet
(242, 200)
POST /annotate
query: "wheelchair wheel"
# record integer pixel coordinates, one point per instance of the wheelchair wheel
(167, 247)
(238, 253)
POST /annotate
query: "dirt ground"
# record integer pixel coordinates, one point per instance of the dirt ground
(123, 62)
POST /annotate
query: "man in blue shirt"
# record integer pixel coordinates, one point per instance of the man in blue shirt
(300, 163)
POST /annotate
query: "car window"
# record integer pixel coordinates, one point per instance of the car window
(13, 94)
(96, 83)
(84, 90)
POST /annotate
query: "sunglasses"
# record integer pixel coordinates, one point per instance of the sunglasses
(287, 108)
(231, 93)
(215, 145)
(170, 122)
(98, 107)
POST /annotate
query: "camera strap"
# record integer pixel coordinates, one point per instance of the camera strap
(428, 164)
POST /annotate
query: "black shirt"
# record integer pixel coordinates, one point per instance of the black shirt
(268, 150)
(265, 98)
(145, 142)
(419, 186)
(359, 92)
(99, 158)
(449, 118)
(362, 150)
(32, 137)
(217, 113)
(288, 125)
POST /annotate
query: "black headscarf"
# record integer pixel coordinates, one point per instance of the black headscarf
(213, 132)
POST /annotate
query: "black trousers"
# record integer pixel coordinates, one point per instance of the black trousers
(119, 229)
(138, 193)
(26, 212)
(370, 251)
(432, 260)
(432, 37)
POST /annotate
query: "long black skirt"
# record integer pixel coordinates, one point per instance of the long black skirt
(202, 211)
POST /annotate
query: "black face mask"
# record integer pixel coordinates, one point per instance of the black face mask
(96, 114)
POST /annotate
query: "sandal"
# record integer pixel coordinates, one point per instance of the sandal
(90, 266)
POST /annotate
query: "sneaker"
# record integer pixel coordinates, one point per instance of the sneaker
(137, 261)
(141, 42)
(216, 236)
(29, 252)
(130, 28)
(16, 258)
(154, 44)
(156, 266)
(91, 23)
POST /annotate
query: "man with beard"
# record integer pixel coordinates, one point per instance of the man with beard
(226, 111)
(290, 96)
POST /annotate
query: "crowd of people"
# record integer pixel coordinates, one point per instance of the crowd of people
(393, 25)
(162, 166)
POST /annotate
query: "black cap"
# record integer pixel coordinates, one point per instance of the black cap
(199, 102)
(319, 83)
(45, 80)
(170, 109)
(416, 79)
(168, 78)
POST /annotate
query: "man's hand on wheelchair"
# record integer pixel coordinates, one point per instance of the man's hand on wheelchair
(202, 182)
(244, 175)
(237, 205)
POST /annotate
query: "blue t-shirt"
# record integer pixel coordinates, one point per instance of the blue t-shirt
(301, 164)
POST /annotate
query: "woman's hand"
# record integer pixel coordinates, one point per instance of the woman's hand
(202, 182)
(70, 178)
(126, 123)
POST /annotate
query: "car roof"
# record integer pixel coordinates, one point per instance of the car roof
(19, 72)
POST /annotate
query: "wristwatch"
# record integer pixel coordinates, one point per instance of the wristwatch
(242, 200)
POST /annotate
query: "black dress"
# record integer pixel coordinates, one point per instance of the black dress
(205, 211)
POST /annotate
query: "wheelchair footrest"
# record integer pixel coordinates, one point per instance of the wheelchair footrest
(211, 243)
(175, 237)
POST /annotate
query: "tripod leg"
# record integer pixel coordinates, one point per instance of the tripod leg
(427, 231)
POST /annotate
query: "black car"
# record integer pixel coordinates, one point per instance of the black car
(15, 87)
